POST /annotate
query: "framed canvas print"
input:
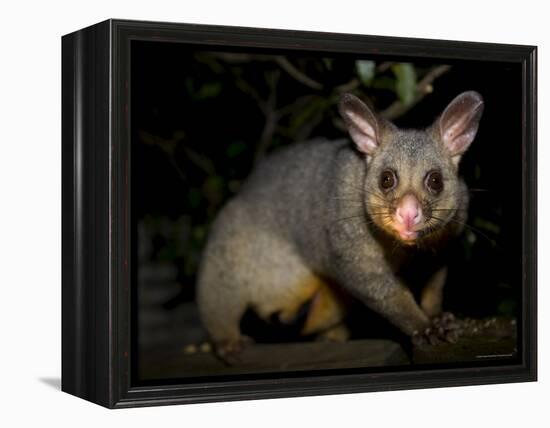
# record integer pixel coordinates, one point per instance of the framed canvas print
(252, 213)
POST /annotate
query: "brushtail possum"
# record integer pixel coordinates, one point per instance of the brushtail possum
(351, 213)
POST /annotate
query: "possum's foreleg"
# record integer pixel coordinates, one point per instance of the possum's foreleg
(387, 295)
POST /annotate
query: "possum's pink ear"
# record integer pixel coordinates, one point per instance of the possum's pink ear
(458, 123)
(361, 123)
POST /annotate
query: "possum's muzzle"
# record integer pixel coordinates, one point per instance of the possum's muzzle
(407, 218)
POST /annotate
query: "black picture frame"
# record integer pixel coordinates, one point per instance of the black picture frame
(96, 225)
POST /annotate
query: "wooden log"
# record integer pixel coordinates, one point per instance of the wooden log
(487, 339)
(263, 358)
(468, 349)
(483, 340)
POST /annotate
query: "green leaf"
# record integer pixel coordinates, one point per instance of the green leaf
(477, 172)
(199, 233)
(307, 113)
(209, 90)
(406, 82)
(213, 189)
(235, 149)
(366, 71)
(384, 82)
(487, 225)
(328, 63)
(194, 196)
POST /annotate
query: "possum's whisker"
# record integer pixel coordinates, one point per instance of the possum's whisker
(472, 228)
(447, 210)
(352, 203)
(432, 225)
(363, 190)
(350, 218)
(376, 195)
(381, 214)
(380, 207)
(347, 199)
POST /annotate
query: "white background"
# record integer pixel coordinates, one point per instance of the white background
(30, 212)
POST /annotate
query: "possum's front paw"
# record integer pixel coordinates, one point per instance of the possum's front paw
(443, 328)
(230, 351)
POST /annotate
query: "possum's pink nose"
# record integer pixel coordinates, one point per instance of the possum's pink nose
(409, 212)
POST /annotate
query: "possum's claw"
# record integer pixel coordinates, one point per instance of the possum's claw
(443, 328)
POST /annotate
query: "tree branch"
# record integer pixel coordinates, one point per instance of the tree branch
(348, 86)
(271, 117)
(287, 66)
(384, 66)
(169, 145)
(423, 88)
(281, 61)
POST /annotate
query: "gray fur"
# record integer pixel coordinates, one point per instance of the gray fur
(311, 209)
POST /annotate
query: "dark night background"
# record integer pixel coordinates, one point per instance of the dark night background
(200, 121)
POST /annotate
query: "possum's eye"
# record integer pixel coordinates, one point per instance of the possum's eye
(388, 180)
(434, 182)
